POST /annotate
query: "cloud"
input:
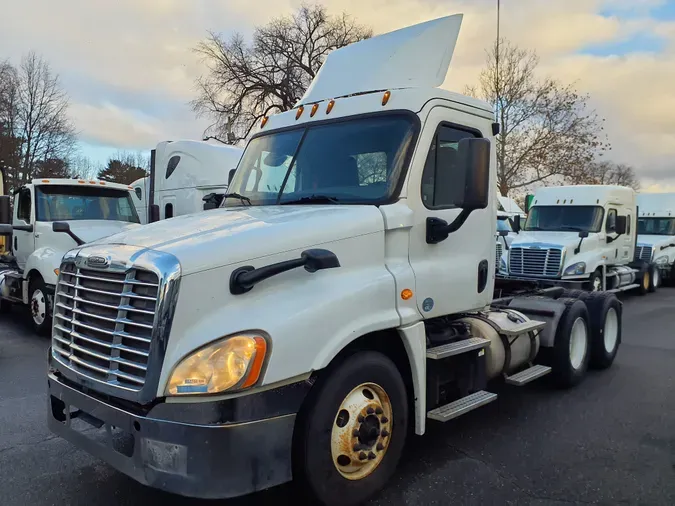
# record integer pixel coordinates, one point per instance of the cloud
(130, 70)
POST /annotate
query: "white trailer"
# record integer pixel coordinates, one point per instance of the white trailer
(50, 217)
(182, 174)
(343, 299)
(656, 233)
(581, 237)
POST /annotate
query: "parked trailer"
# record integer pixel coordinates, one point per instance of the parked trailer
(301, 330)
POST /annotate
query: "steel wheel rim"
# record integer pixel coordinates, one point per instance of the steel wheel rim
(38, 306)
(597, 284)
(645, 281)
(611, 331)
(361, 431)
(578, 343)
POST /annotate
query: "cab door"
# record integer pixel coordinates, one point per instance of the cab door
(455, 273)
(23, 241)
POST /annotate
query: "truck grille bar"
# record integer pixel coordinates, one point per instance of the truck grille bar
(500, 249)
(103, 323)
(644, 253)
(535, 262)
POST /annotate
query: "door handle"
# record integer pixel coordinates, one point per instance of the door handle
(16, 243)
(37, 236)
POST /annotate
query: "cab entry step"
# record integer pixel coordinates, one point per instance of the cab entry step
(448, 350)
(528, 375)
(461, 406)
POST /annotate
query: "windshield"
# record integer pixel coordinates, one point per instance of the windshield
(656, 226)
(565, 218)
(504, 224)
(67, 203)
(352, 161)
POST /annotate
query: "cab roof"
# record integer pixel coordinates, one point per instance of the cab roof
(584, 195)
(80, 182)
(660, 205)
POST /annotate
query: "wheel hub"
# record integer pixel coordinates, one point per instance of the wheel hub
(38, 307)
(361, 432)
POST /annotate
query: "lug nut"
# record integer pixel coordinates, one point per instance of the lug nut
(378, 411)
(360, 418)
(384, 419)
(380, 447)
(355, 433)
(356, 448)
(372, 456)
(370, 411)
(363, 456)
(384, 433)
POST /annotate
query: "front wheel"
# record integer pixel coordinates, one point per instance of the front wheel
(40, 309)
(595, 282)
(571, 349)
(351, 433)
(655, 275)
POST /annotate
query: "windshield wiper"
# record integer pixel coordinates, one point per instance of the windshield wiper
(574, 229)
(312, 199)
(535, 229)
(243, 198)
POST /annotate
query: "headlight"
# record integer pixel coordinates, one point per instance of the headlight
(231, 363)
(575, 269)
(662, 260)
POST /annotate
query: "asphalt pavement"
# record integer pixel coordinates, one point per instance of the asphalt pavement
(609, 441)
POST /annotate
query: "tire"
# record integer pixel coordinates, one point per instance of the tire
(39, 308)
(318, 431)
(655, 278)
(594, 283)
(569, 362)
(605, 313)
(576, 294)
(644, 279)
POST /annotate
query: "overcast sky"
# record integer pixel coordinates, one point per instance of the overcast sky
(129, 70)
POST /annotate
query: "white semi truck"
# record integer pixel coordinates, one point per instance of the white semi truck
(339, 301)
(656, 233)
(581, 237)
(50, 217)
(182, 175)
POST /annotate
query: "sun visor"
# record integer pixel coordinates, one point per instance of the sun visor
(414, 57)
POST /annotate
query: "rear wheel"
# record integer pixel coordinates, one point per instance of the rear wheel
(605, 323)
(571, 350)
(40, 310)
(644, 280)
(351, 433)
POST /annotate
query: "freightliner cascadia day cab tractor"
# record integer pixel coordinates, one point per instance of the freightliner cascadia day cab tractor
(656, 233)
(301, 333)
(185, 177)
(581, 237)
(50, 217)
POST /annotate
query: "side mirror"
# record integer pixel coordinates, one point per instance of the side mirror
(153, 213)
(5, 214)
(516, 224)
(620, 227)
(474, 155)
(64, 228)
(212, 201)
(503, 233)
(583, 234)
(230, 176)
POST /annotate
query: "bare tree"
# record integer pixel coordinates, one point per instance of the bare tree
(606, 172)
(245, 82)
(546, 128)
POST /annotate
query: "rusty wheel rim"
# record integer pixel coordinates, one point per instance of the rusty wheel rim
(361, 431)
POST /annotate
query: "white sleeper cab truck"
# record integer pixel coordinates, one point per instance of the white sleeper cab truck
(51, 216)
(505, 236)
(341, 299)
(581, 237)
(656, 233)
(185, 177)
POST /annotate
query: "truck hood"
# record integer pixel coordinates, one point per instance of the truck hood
(655, 240)
(220, 237)
(545, 239)
(92, 230)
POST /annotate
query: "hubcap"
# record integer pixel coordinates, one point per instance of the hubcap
(611, 330)
(361, 431)
(38, 306)
(578, 343)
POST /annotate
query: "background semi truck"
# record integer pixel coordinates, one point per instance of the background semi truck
(3, 208)
(50, 217)
(303, 330)
(581, 237)
(656, 233)
(182, 174)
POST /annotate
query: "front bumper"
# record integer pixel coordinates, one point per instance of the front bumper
(213, 461)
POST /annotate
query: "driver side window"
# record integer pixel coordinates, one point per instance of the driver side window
(23, 211)
(443, 176)
(611, 221)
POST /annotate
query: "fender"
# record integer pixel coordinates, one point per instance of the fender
(45, 261)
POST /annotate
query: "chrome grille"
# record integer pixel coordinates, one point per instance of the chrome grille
(544, 262)
(103, 323)
(500, 249)
(644, 253)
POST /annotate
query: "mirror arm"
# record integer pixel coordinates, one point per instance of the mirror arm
(506, 244)
(438, 230)
(577, 250)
